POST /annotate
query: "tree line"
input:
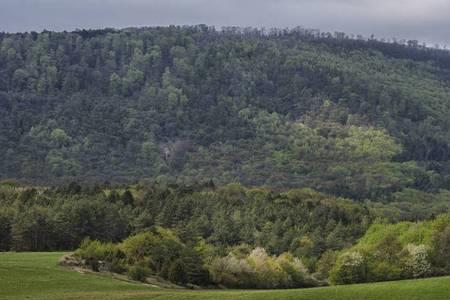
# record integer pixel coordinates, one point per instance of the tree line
(231, 235)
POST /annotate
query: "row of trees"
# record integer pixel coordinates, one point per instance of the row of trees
(300, 221)
(303, 222)
(161, 253)
(386, 252)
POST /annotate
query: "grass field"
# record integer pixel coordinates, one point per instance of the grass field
(37, 276)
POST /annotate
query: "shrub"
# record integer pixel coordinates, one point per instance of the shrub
(136, 247)
(259, 270)
(153, 249)
(296, 272)
(383, 270)
(139, 273)
(94, 252)
(350, 268)
(231, 272)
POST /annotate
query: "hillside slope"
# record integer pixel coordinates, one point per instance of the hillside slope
(356, 118)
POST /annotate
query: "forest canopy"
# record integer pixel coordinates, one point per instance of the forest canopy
(228, 236)
(352, 117)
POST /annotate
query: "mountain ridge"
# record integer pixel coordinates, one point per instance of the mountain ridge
(192, 103)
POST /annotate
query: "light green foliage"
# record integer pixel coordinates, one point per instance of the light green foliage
(158, 253)
(94, 252)
(394, 251)
(259, 270)
(325, 264)
(136, 247)
(350, 268)
(368, 144)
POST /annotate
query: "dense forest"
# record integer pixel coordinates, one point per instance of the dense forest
(284, 108)
(228, 236)
(237, 158)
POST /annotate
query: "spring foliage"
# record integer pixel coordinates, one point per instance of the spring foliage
(286, 108)
(395, 251)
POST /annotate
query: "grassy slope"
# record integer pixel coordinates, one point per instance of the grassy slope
(36, 276)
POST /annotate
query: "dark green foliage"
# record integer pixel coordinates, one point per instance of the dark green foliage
(157, 252)
(138, 273)
(6, 221)
(127, 198)
(303, 222)
(440, 251)
(232, 235)
(289, 108)
(177, 272)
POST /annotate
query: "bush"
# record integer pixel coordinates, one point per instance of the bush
(384, 271)
(136, 247)
(95, 252)
(295, 272)
(138, 273)
(231, 271)
(259, 270)
(350, 268)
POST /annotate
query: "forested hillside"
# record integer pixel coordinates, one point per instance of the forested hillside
(294, 108)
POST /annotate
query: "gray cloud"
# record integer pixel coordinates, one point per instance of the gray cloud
(411, 19)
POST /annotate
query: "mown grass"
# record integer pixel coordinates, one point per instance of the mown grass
(37, 276)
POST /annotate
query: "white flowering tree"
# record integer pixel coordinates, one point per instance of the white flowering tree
(350, 268)
(417, 264)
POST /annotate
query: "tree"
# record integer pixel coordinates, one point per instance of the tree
(417, 264)
(115, 85)
(440, 252)
(350, 268)
(32, 230)
(6, 220)
(20, 79)
(60, 137)
(177, 272)
(127, 198)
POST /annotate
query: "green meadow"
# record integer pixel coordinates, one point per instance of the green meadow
(37, 276)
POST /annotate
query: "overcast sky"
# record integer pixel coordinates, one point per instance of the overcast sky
(425, 20)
